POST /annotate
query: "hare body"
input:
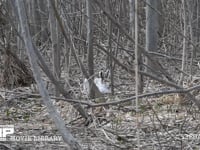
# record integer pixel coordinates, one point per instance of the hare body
(99, 82)
(102, 86)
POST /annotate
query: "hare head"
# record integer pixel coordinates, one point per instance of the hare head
(100, 82)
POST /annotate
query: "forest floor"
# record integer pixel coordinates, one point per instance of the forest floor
(162, 121)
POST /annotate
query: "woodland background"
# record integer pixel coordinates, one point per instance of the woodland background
(150, 47)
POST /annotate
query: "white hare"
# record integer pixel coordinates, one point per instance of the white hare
(99, 82)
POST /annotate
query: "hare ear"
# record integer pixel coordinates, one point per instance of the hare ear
(107, 73)
(101, 75)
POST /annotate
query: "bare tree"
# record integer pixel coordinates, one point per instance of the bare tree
(137, 70)
(68, 138)
(90, 55)
(132, 14)
(109, 58)
(55, 45)
(151, 28)
(184, 43)
(42, 12)
(191, 30)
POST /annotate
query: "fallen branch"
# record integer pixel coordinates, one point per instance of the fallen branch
(92, 104)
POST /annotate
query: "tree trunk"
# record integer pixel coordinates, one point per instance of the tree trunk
(184, 43)
(139, 55)
(152, 28)
(90, 54)
(67, 137)
(55, 46)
